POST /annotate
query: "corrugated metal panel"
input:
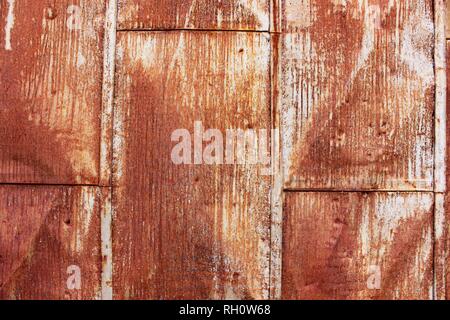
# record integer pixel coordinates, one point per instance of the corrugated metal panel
(358, 246)
(195, 231)
(50, 242)
(357, 90)
(50, 91)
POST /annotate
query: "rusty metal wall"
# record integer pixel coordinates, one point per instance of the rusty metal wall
(92, 205)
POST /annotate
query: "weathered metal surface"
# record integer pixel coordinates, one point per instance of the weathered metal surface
(445, 245)
(46, 233)
(357, 94)
(109, 58)
(441, 215)
(448, 19)
(50, 91)
(276, 229)
(440, 111)
(194, 14)
(358, 246)
(357, 87)
(189, 231)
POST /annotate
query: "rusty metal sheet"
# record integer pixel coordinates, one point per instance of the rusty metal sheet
(194, 14)
(358, 246)
(50, 242)
(50, 91)
(357, 95)
(187, 230)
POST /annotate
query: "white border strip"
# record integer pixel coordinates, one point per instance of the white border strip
(106, 144)
(441, 95)
(440, 216)
(276, 242)
(109, 53)
(440, 250)
(106, 247)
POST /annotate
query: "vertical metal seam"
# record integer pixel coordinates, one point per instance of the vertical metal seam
(276, 228)
(439, 254)
(109, 50)
(275, 16)
(440, 103)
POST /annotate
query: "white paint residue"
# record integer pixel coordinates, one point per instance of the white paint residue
(189, 15)
(439, 217)
(365, 232)
(257, 8)
(298, 14)
(391, 211)
(371, 23)
(418, 30)
(424, 254)
(88, 205)
(106, 236)
(9, 24)
(81, 60)
(74, 20)
(219, 19)
(148, 53)
(293, 127)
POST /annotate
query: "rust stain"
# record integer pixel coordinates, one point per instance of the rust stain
(50, 91)
(194, 231)
(194, 14)
(336, 244)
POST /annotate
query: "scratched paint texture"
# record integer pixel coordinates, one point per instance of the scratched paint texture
(336, 244)
(189, 231)
(50, 91)
(194, 14)
(43, 231)
(357, 94)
